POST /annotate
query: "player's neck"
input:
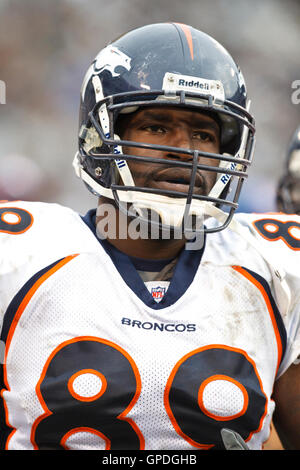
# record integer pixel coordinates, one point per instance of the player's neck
(148, 249)
(127, 236)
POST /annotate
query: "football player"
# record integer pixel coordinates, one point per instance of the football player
(160, 319)
(288, 191)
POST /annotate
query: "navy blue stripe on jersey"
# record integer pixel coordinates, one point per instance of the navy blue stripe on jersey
(184, 272)
(277, 315)
(18, 298)
(90, 220)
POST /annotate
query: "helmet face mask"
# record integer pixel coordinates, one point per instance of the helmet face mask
(120, 85)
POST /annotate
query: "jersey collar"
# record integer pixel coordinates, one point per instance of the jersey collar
(184, 273)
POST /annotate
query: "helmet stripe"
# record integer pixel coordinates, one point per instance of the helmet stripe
(187, 32)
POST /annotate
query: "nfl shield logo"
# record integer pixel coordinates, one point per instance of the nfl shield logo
(158, 293)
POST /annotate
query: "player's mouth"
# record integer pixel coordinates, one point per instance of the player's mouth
(178, 180)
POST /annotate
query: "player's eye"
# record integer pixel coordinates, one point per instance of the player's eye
(204, 136)
(154, 129)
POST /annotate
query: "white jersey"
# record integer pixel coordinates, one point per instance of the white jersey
(93, 361)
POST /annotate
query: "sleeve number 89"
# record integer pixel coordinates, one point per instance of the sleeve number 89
(273, 229)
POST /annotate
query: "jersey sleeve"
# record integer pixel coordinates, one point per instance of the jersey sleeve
(279, 237)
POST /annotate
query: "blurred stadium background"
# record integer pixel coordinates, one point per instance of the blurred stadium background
(47, 45)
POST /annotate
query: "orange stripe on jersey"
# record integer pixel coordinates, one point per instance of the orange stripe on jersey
(30, 294)
(266, 297)
(15, 321)
(187, 32)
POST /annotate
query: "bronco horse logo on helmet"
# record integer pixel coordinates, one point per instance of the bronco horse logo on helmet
(111, 59)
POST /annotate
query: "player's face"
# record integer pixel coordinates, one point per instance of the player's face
(176, 128)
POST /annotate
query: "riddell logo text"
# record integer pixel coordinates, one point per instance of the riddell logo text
(192, 83)
(171, 327)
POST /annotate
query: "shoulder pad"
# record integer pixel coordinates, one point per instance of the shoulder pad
(35, 230)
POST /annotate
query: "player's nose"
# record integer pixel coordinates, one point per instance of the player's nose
(181, 138)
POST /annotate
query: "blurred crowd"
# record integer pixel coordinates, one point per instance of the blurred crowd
(46, 46)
